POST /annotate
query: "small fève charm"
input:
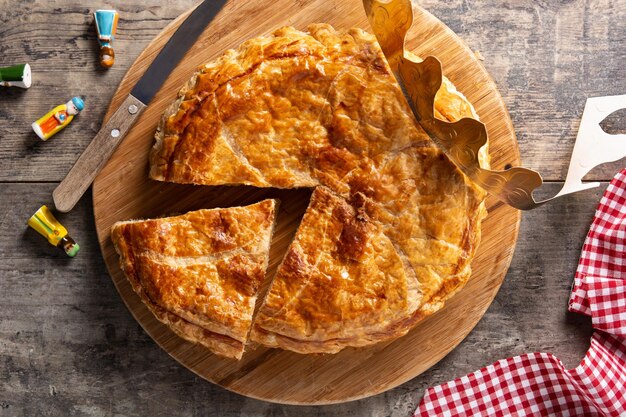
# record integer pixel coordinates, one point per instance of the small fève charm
(106, 26)
(57, 118)
(15, 76)
(49, 227)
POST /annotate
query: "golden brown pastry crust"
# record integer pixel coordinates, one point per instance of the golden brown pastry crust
(393, 225)
(200, 272)
(342, 282)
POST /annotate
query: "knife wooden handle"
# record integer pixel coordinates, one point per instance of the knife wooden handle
(98, 152)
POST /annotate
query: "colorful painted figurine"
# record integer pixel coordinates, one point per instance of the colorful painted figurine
(47, 226)
(57, 118)
(106, 26)
(15, 76)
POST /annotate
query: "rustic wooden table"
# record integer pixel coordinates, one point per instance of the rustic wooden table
(68, 345)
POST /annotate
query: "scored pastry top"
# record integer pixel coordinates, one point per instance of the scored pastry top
(393, 225)
(200, 272)
(294, 109)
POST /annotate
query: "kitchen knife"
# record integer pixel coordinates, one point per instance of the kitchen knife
(98, 152)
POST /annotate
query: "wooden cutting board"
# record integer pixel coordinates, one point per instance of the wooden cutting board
(122, 191)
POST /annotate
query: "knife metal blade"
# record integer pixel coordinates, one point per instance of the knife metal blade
(98, 152)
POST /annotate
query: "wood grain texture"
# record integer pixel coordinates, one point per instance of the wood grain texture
(68, 345)
(58, 39)
(97, 154)
(122, 191)
(546, 58)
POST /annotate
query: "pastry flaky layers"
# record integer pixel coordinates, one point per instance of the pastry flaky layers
(392, 225)
(200, 272)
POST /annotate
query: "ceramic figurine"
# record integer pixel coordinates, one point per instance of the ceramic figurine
(46, 225)
(106, 25)
(15, 76)
(57, 118)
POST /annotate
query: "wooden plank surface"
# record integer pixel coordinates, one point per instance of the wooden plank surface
(68, 346)
(545, 57)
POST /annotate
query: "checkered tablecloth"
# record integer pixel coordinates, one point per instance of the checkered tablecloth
(599, 287)
(537, 384)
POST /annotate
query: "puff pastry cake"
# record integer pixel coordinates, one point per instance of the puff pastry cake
(392, 225)
(200, 272)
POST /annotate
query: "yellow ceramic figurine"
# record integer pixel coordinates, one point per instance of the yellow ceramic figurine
(57, 118)
(49, 227)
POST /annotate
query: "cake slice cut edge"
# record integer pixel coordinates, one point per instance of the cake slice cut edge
(199, 273)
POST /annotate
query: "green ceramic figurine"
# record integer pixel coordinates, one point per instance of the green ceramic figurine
(15, 76)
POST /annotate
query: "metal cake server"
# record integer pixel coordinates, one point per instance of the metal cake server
(98, 152)
(462, 140)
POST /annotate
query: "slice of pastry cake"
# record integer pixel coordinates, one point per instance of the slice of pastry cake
(341, 283)
(199, 273)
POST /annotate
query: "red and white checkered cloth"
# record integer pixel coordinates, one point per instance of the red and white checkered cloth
(599, 287)
(537, 384)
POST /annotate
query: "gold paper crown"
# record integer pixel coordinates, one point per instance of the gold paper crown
(420, 81)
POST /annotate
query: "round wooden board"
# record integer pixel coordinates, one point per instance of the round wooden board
(123, 191)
